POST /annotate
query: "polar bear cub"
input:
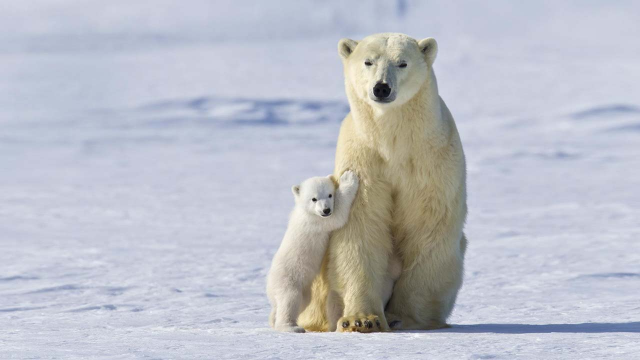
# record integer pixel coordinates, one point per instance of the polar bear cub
(320, 208)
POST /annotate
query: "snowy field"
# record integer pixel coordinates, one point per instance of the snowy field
(147, 152)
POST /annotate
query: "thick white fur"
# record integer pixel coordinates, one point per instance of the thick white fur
(299, 258)
(412, 198)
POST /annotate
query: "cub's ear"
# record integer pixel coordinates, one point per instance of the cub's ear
(429, 48)
(295, 190)
(333, 179)
(346, 47)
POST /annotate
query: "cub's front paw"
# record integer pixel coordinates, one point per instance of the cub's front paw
(290, 329)
(362, 324)
(349, 179)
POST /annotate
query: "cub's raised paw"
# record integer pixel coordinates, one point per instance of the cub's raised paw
(349, 178)
(362, 324)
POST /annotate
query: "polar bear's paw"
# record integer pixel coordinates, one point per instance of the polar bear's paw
(395, 322)
(362, 324)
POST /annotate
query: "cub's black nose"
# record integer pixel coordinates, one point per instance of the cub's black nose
(382, 90)
(326, 211)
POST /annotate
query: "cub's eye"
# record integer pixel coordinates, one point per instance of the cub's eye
(403, 65)
(368, 63)
(314, 199)
(330, 196)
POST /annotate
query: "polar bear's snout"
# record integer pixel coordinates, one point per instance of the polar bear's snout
(326, 212)
(381, 92)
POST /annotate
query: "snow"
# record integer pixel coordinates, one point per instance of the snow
(147, 150)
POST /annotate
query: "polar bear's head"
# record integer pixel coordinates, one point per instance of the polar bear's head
(316, 195)
(386, 70)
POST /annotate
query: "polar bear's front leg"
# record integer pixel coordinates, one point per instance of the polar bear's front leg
(358, 258)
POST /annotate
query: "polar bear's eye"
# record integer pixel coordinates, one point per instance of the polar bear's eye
(403, 65)
(314, 199)
(368, 63)
(330, 195)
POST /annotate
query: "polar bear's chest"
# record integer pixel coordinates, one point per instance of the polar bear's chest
(420, 187)
(409, 172)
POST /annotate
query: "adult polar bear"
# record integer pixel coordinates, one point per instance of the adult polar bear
(401, 140)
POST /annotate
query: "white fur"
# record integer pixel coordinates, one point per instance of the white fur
(299, 258)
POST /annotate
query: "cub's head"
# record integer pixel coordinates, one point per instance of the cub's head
(316, 195)
(386, 70)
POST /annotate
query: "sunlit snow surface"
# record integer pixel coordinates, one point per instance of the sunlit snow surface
(147, 152)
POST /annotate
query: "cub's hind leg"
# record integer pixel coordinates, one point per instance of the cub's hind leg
(287, 311)
(272, 316)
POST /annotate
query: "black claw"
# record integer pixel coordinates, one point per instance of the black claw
(345, 324)
(378, 322)
(368, 324)
(358, 323)
(394, 323)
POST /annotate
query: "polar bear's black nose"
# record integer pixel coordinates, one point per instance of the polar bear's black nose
(382, 90)
(326, 211)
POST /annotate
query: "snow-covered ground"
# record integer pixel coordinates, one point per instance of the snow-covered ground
(147, 151)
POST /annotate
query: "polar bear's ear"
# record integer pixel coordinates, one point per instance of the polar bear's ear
(295, 190)
(429, 48)
(346, 47)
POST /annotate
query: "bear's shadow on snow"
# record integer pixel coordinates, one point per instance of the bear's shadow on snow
(581, 328)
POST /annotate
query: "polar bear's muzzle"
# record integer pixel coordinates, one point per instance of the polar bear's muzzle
(382, 93)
